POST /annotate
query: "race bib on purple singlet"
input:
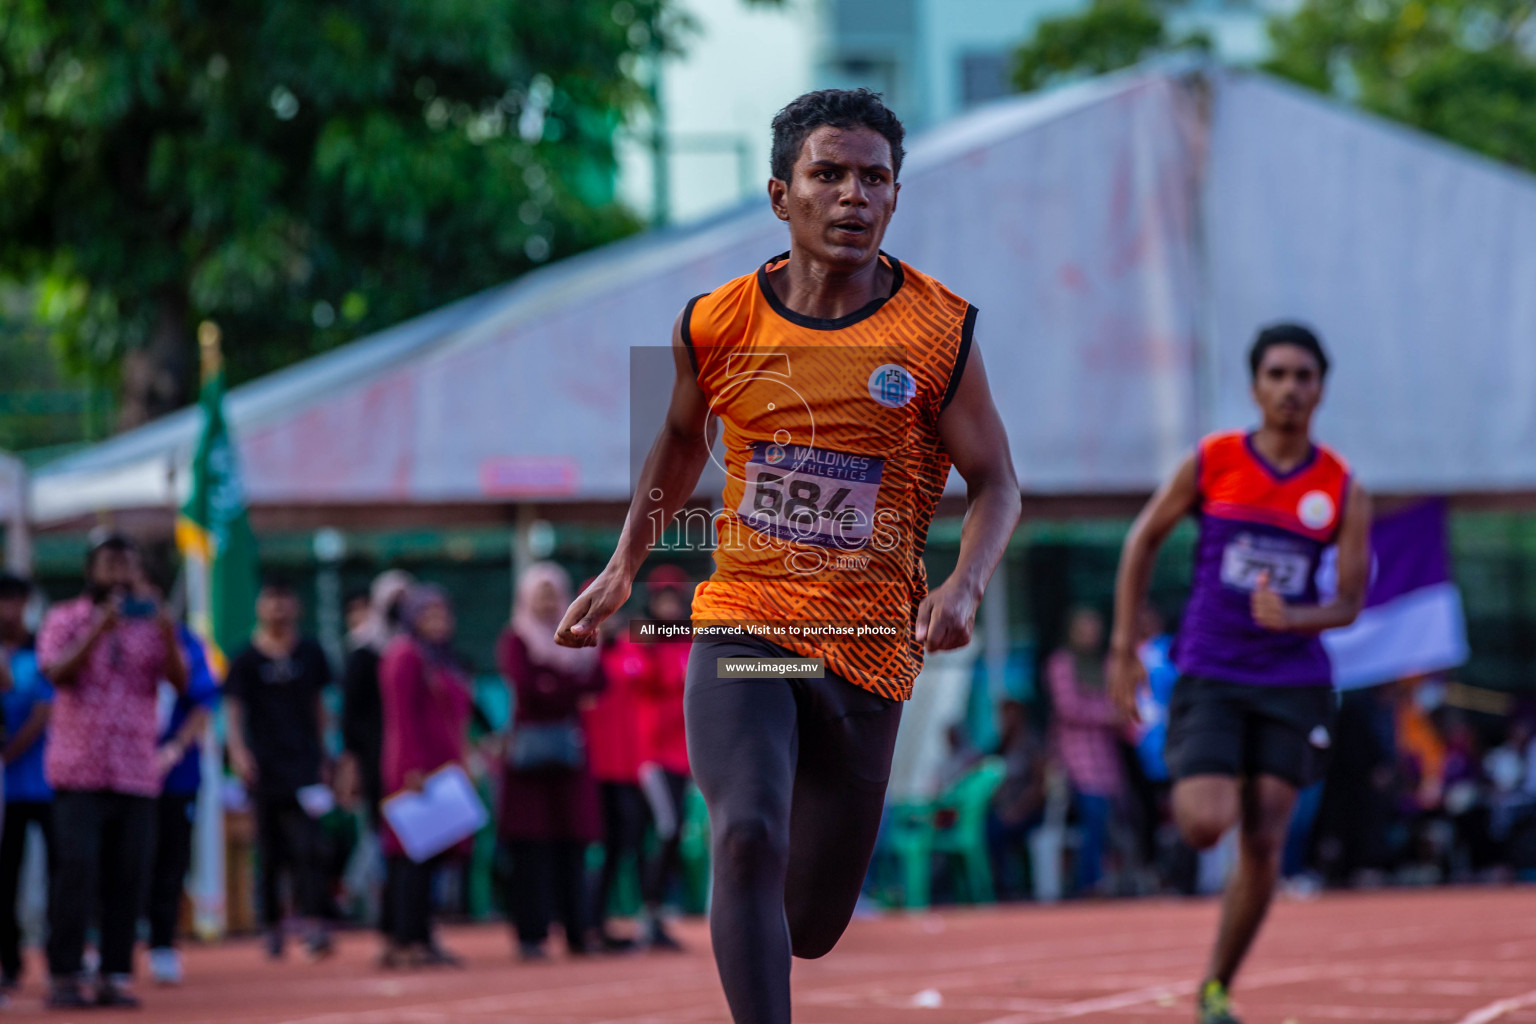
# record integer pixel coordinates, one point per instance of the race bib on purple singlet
(1247, 556)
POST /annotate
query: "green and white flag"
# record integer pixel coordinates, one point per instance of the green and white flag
(214, 535)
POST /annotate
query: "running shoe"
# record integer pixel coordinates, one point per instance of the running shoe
(433, 955)
(115, 993)
(658, 939)
(611, 943)
(165, 966)
(67, 995)
(319, 947)
(275, 944)
(1213, 1005)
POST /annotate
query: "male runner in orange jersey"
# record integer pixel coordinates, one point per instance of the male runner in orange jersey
(1249, 718)
(847, 383)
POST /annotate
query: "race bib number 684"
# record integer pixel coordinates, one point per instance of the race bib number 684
(811, 495)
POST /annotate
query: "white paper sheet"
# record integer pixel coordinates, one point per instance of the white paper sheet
(446, 811)
(317, 800)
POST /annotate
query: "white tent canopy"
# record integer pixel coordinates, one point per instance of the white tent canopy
(1123, 239)
(13, 514)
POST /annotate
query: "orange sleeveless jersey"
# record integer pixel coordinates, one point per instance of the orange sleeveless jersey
(833, 466)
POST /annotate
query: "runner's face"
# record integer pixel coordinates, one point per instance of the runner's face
(1288, 387)
(841, 196)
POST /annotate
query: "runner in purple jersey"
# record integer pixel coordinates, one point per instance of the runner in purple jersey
(1250, 715)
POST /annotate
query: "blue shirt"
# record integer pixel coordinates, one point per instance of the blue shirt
(1153, 702)
(202, 691)
(24, 779)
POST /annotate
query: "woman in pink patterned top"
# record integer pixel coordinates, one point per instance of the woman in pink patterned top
(427, 703)
(105, 653)
(1086, 734)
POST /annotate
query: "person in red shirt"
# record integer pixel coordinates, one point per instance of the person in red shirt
(663, 746)
(613, 750)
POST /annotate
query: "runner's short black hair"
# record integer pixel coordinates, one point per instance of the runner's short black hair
(278, 586)
(840, 108)
(1287, 334)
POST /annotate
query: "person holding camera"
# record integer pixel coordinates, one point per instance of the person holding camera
(105, 653)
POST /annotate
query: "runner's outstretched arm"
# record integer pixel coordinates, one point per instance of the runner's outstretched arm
(667, 481)
(1270, 609)
(973, 433)
(1172, 502)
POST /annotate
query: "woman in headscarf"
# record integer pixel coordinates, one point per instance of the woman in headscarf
(427, 704)
(549, 804)
(362, 710)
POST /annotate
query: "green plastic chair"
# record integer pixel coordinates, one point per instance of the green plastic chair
(693, 851)
(966, 839)
(911, 834)
(916, 839)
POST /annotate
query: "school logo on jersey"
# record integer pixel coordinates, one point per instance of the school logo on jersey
(892, 386)
(1315, 510)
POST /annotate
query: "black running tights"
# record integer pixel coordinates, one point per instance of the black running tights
(794, 773)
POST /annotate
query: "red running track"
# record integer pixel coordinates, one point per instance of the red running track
(1423, 957)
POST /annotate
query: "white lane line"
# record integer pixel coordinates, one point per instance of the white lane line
(1493, 1011)
(1183, 986)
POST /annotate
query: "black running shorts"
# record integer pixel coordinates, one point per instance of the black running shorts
(1219, 728)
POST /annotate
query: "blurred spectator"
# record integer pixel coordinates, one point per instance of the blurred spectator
(356, 610)
(426, 700)
(1359, 795)
(274, 720)
(362, 711)
(1510, 800)
(664, 770)
(28, 799)
(1086, 738)
(183, 717)
(549, 810)
(1018, 806)
(1155, 651)
(1420, 746)
(105, 653)
(613, 741)
(1465, 799)
(1146, 772)
(960, 756)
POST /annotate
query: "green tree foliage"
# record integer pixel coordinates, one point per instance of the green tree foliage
(1106, 36)
(301, 171)
(1462, 69)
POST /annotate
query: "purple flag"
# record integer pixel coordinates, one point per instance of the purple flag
(1413, 621)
